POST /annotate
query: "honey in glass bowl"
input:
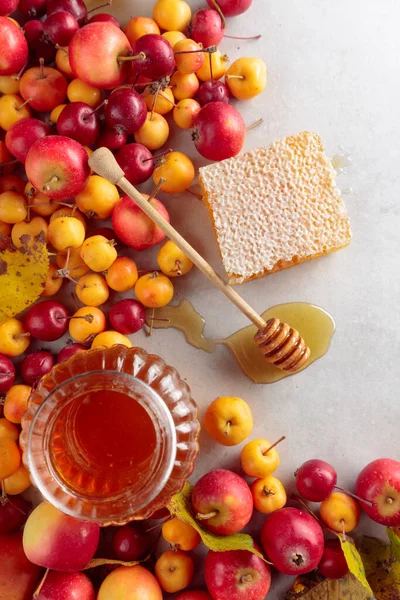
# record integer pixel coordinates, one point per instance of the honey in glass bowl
(110, 435)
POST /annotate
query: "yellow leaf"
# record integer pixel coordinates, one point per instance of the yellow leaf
(394, 543)
(99, 562)
(383, 574)
(23, 273)
(181, 507)
(348, 588)
(354, 562)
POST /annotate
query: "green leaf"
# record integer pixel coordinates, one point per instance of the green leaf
(354, 562)
(99, 562)
(394, 543)
(180, 506)
(383, 574)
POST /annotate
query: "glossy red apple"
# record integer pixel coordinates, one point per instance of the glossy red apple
(18, 576)
(80, 122)
(7, 377)
(293, 541)
(107, 72)
(60, 27)
(226, 497)
(43, 87)
(237, 575)
(66, 586)
(24, 133)
(14, 512)
(14, 47)
(77, 8)
(379, 483)
(137, 162)
(125, 111)
(232, 8)
(157, 60)
(133, 227)
(58, 167)
(213, 91)
(219, 131)
(333, 564)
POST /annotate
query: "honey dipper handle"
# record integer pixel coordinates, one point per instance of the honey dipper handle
(103, 163)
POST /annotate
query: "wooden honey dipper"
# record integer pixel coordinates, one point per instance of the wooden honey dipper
(278, 342)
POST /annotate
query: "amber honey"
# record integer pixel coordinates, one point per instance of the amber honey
(102, 441)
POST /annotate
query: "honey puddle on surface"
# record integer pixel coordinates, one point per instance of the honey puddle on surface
(314, 324)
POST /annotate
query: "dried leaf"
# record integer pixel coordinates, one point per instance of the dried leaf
(23, 273)
(99, 562)
(383, 574)
(394, 543)
(354, 562)
(181, 507)
(333, 589)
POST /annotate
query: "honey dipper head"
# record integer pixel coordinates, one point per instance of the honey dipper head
(282, 346)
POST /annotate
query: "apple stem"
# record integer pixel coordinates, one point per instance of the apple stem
(205, 517)
(343, 530)
(219, 11)
(158, 319)
(3, 497)
(74, 300)
(256, 124)
(211, 66)
(153, 312)
(17, 77)
(157, 156)
(234, 77)
(353, 495)
(104, 103)
(108, 3)
(140, 56)
(21, 335)
(155, 102)
(246, 578)
(47, 186)
(67, 258)
(41, 67)
(268, 492)
(24, 103)
(39, 587)
(156, 189)
(87, 318)
(198, 196)
(178, 268)
(168, 100)
(227, 428)
(235, 37)
(209, 50)
(275, 444)
(9, 163)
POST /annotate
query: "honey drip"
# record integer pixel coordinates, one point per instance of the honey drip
(314, 324)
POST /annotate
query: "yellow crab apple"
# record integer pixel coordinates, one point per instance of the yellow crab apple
(228, 420)
(246, 77)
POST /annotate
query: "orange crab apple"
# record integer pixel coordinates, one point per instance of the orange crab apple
(109, 72)
(135, 583)
(139, 26)
(57, 166)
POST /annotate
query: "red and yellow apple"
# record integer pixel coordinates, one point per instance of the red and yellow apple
(135, 583)
(133, 227)
(14, 47)
(379, 484)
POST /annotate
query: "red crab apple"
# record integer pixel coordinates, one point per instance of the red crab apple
(112, 139)
(333, 564)
(60, 27)
(24, 133)
(207, 27)
(125, 110)
(14, 47)
(106, 18)
(58, 167)
(69, 351)
(154, 57)
(127, 316)
(137, 162)
(39, 46)
(315, 480)
(231, 8)
(18, 576)
(219, 131)
(35, 365)
(7, 374)
(293, 541)
(223, 502)
(57, 541)
(66, 586)
(80, 122)
(237, 575)
(193, 595)
(47, 321)
(105, 71)
(77, 8)
(379, 483)
(13, 513)
(32, 8)
(213, 91)
(133, 227)
(43, 88)
(7, 7)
